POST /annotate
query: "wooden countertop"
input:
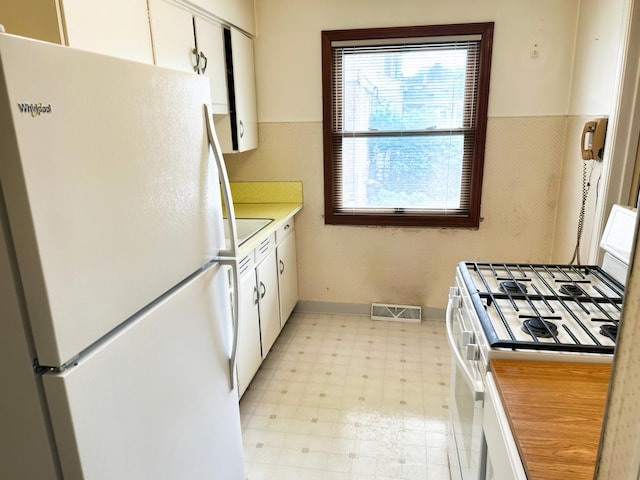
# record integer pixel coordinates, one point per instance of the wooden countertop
(555, 411)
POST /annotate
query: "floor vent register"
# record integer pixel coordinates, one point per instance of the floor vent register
(396, 313)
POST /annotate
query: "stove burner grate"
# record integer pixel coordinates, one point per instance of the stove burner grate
(572, 290)
(511, 287)
(610, 331)
(539, 328)
(504, 295)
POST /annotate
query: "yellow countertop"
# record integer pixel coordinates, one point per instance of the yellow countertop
(279, 212)
(279, 201)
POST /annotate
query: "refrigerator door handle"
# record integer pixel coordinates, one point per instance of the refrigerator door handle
(235, 285)
(228, 256)
(224, 185)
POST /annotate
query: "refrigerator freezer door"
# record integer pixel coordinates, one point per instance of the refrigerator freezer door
(154, 402)
(111, 194)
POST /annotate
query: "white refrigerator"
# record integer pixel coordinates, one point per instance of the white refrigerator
(117, 337)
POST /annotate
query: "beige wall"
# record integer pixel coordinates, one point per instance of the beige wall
(288, 49)
(415, 265)
(529, 101)
(593, 94)
(596, 56)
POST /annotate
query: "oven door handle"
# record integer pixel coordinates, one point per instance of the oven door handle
(477, 387)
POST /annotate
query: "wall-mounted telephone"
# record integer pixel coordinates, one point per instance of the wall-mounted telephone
(592, 142)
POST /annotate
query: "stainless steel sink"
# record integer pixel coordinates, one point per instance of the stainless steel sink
(247, 228)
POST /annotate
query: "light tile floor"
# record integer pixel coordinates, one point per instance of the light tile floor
(344, 397)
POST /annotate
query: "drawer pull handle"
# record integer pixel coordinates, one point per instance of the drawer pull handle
(281, 267)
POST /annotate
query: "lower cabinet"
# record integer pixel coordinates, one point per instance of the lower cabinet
(268, 294)
(258, 311)
(503, 459)
(249, 354)
(267, 277)
(287, 276)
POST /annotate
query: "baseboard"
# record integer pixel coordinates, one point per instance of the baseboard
(357, 309)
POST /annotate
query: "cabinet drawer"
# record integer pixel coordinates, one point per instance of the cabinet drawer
(284, 230)
(264, 248)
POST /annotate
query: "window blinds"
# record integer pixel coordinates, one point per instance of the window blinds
(403, 125)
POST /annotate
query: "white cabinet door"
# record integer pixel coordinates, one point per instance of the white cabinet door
(172, 33)
(45, 26)
(238, 131)
(267, 275)
(503, 459)
(210, 44)
(249, 356)
(191, 44)
(244, 78)
(287, 276)
(239, 13)
(115, 27)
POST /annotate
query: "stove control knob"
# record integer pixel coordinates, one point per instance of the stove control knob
(454, 297)
(468, 338)
(473, 352)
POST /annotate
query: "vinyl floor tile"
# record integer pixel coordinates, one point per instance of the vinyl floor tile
(348, 398)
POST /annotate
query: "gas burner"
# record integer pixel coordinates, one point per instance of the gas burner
(610, 331)
(536, 327)
(572, 290)
(546, 293)
(512, 287)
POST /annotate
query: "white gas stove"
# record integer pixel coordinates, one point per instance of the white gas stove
(528, 312)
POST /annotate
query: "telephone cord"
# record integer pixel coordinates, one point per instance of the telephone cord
(586, 185)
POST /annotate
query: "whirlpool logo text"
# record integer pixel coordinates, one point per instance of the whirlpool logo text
(35, 109)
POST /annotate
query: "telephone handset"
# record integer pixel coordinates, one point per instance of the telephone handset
(592, 147)
(592, 142)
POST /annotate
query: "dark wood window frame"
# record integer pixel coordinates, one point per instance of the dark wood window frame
(467, 217)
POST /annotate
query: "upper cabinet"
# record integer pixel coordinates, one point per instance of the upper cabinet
(238, 131)
(117, 27)
(190, 43)
(239, 13)
(208, 37)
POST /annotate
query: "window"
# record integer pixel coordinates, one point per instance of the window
(405, 115)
